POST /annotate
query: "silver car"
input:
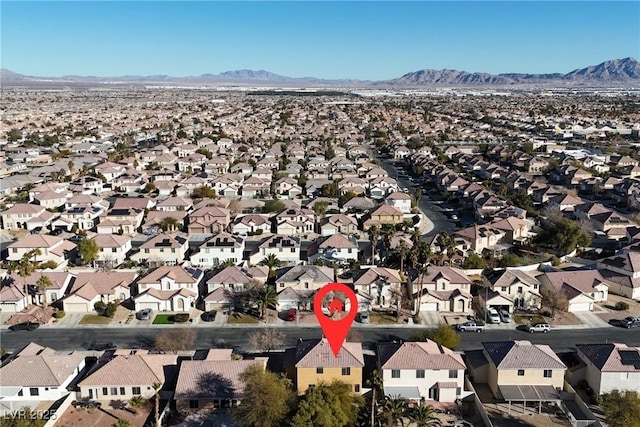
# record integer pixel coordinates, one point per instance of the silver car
(539, 327)
(505, 316)
(144, 314)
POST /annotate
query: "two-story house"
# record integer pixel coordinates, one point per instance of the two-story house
(377, 287)
(442, 289)
(511, 289)
(217, 250)
(106, 287)
(399, 200)
(285, 248)
(168, 288)
(338, 223)
(44, 248)
(163, 249)
(610, 366)
(335, 248)
(209, 219)
(622, 274)
(583, 288)
(25, 216)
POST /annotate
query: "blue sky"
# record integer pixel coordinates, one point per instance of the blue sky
(363, 40)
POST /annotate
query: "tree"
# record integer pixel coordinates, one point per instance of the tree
(423, 415)
(328, 405)
(71, 166)
(272, 262)
(403, 251)
(554, 299)
(156, 399)
(170, 224)
(267, 399)
(374, 235)
(204, 192)
(42, 284)
(89, 250)
(122, 423)
(563, 235)
(14, 135)
(273, 205)
(265, 296)
(444, 335)
(393, 410)
(474, 261)
(330, 190)
(621, 408)
(175, 340)
(376, 386)
(266, 339)
(137, 401)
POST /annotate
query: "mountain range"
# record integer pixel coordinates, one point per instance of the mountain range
(618, 72)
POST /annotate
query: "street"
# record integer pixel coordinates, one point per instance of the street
(237, 337)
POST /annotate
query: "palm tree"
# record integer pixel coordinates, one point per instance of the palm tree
(156, 388)
(422, 271)
(43, 283)
(403, 250)
(374, 234)
(424, 415)
(394, 408)
(272, 262)
(265, 297)
(137, 401)
(122, 423)
(170, 224)
(376, 384)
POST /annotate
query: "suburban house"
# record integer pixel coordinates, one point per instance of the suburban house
(168, 288)
(421, 370)
(610, 366)
(163, 249)
(212, 383)
(285, 248)
(17, 285)
(442, 289)
(85, 217)
(251, 223)
(384, 214)
(121, 220)
(156, 220)
(37, 376)
(377, 287)
(13, 299)
(237, 279)
(315, 363)
(482, 237)
(338, 223)
(583, 288)
(25, 216)
(48, 248)
(209, 219)
(127, 373)
(333, 248)
(511, 289)
(113, 249)
(399, 200)
(89, 288)
(622, 274)
(303, 277)
(513, 369)
(219, 249)
(516, 230)
(295, 221)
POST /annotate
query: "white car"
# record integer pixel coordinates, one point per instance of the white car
(505, 316)
(493, 316)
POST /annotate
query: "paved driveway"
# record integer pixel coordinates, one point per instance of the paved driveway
(431, 318)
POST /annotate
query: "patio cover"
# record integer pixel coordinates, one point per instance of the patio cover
(408, 392)
(529, 393)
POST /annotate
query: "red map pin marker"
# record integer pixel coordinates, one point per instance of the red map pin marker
(335, 330)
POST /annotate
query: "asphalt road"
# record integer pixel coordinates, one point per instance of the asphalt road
(238, 337)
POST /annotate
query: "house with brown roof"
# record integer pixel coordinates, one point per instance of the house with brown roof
(51, 248)
(251, 223)
(113, 249)
(213, 383)
(442, 289)
(295, 221)
(60, 281)
(121, 220)
(89, 288)
(608, 367)
(168, 288)
(163, 249)
(85, 217)
(377, 287)
(315, 363)
(399, 200)
(513, 369)
(335, 248)
(622, 273)
(25, 216)
(217, 250)
(511, 289)
(285, 248)
(384, 214)
(13, 299)
(483, 238)
(303, 277)
(154, 219)
(421, 370)
(209, 219)
(338, 223)
(583, 288)
(37, 376)
(127, 373)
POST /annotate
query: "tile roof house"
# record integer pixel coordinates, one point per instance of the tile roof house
(421, 370)
(384, 214)
(338, 223)
(35, 374)
(113, 249)
(212, 383)
(52, 248)
(127, 373)
(60, 281)
(376, 287)
(583, 288)
(442, 289)
(482, 237)
(163, 249)
(89, 288)
(285, 248)
(335, 248)
(251, 223)
(513, 289)
(315, 363)
(303, 277)
(24, 216)
(219, 249)
(610, 366)
(399, 200)
(622, 273)
(168, 288)
(210, 219)
(508, 367)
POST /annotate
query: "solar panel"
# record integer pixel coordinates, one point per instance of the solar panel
(630, 357)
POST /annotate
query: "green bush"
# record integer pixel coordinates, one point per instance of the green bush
(59, 314)
(181, 317)
(621, 305)
(111, 309)
(99, 306)
(555, 261)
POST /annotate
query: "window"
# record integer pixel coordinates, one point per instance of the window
(521, 372)
(346, 371)
(20, 393)
(14, 250)
(135, 390)
(193, 404)
(306, 285)
(114, 250)
(293, 250)
(453, 373)
(105, 391)
(122, 392)
(458, 391)
(356, 388)
(395, 373)
(519, 289)
(420, 373)
(504, 289)
(624, 375)
(146, 250)
(33, 391)
(54, 296)
(319, 370)
(114, 391)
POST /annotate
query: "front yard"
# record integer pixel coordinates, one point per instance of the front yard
(241, 318)
(94, 319)
(163, 319)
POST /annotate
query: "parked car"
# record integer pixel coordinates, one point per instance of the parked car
(144, 314)
(470, 327)
(539, 327)
(505, 316)
(631, 322)
(493, 316)
(25, 326)
(363, 317)
(292, 314)
(209, 316)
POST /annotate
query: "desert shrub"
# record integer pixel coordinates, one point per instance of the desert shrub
(181, 317)
(621, 305)
(59, 314)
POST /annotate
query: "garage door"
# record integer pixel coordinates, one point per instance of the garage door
(151, 305)
(581, 306)
(76, 307)
(429, 306)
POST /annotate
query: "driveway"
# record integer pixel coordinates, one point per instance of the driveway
(591, 319)
(431, 318)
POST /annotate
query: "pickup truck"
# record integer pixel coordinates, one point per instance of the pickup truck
(469, 327)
